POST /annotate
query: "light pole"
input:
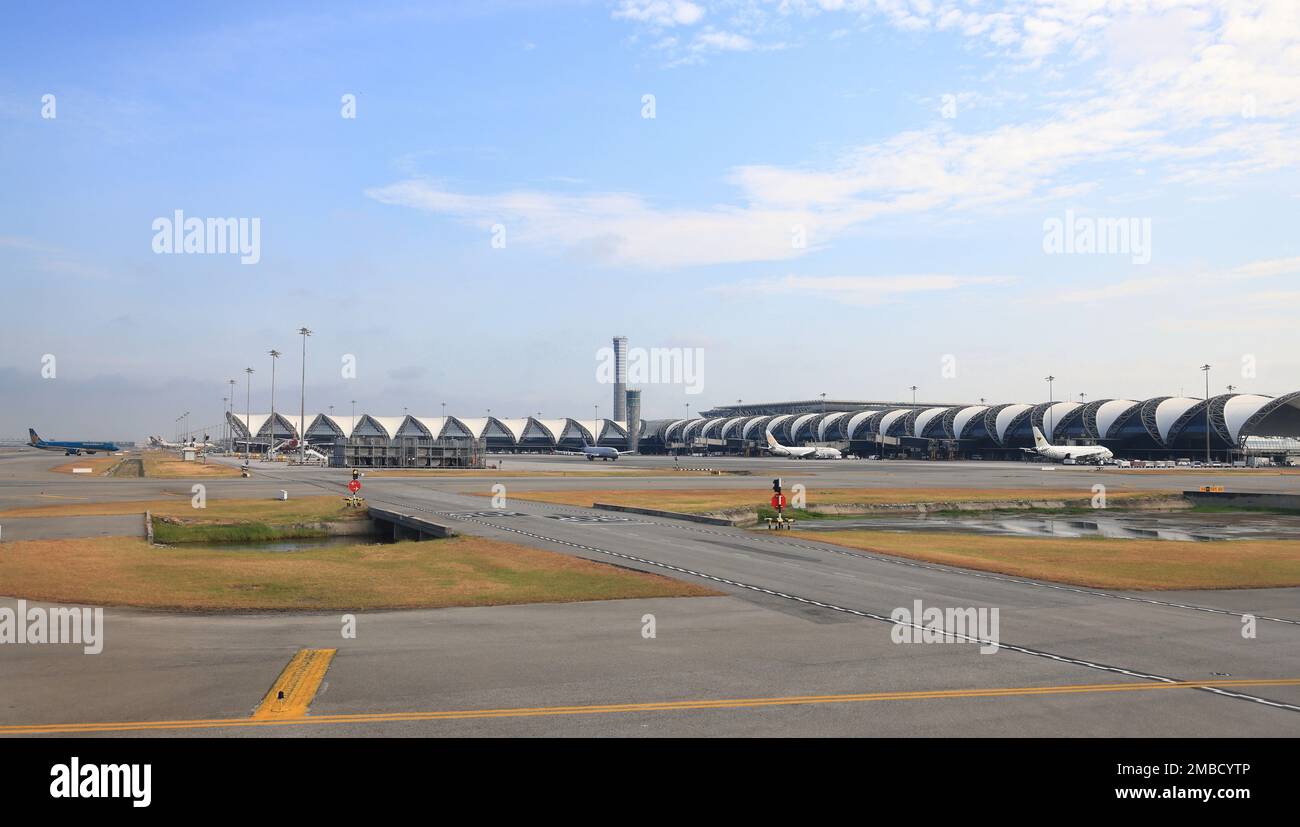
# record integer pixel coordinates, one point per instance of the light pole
(686, 426)
(224, 424)
(1206, 370)
(1050, 400)
(302, 397)
(187, 426)
(248, 412)
(595, 419)
(230, 432)
(275, 356)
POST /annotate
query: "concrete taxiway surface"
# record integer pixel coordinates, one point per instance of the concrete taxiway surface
(802, 625)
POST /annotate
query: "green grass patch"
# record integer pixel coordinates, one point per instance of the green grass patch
(461, 571)
(1206, 508)
(768, 512)
(167, 531)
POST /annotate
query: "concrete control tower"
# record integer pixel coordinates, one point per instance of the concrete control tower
(620, 378)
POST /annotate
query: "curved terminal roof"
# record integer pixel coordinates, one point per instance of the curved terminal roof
(1053, 415)
(729, 424)
(1233, 418)
(1168, 412)
(748, 426)
(1110, 412)
(923, 419)
(1005, 417)
(827, 422)
(889, 419)
(800, 421)
(777, 421)
(856, 420)
(964, 416)
(1240, 408)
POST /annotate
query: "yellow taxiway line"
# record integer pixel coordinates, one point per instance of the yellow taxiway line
(292, 692)
(596, 709)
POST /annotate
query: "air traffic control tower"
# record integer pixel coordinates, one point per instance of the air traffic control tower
(633, 419)
(620, 378)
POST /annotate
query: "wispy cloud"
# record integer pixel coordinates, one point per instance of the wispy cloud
(1212, 102)
(863, 291)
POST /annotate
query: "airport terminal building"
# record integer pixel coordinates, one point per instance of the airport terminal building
(1160, 428)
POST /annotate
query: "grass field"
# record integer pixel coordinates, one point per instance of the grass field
(494, 473)
(1097, 562)
(704, 500)
(298, 510)
(461, 571)
(97, 464)
(166, 465)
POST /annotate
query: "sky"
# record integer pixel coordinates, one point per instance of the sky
(465, 201)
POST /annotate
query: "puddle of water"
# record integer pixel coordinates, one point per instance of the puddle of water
(282, 546)
(1175, 527)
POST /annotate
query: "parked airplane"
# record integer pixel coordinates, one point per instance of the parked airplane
(592, 452)
(159, 442)
(779, 450)
(72, 449)
(1060, 453)
(595, 452)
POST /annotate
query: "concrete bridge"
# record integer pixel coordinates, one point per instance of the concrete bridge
(407, 526)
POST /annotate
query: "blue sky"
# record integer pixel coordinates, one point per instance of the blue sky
(919, 145)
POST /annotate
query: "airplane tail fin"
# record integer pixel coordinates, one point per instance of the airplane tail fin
(771, 441)
(32, 437)
(1039, 440)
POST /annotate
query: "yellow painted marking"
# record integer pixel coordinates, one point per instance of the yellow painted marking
(61, 497)
(660, 706)
(293, 691)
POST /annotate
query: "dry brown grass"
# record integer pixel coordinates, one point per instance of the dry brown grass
(462, 571)
(96, 464)
(165, 465)
(702, 500)
(273, 512)
(1097, 562)
(478, 472)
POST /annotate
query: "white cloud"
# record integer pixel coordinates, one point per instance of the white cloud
(661, 13)
(614, 228)
(860, 290)
(1188, 284)
(1175, 113)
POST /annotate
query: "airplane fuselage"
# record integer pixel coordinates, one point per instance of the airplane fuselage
(1078, 453)
(776, 449)
(70, 448)
(73, 449)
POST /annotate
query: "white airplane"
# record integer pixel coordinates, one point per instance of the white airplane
(1060, 453)
(159, 442)
(595, 452)
(779, 450)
